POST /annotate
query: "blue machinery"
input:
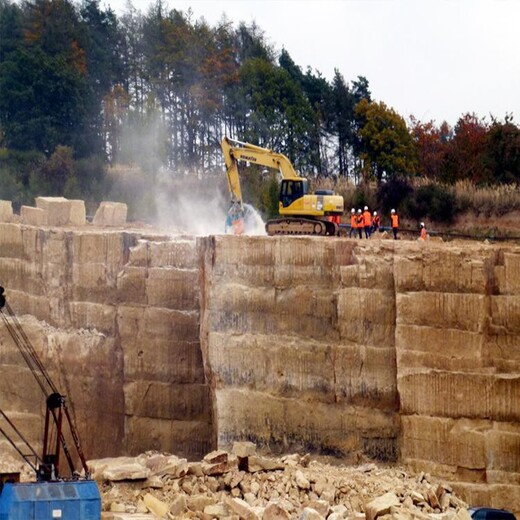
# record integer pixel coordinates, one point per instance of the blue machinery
(65, 500)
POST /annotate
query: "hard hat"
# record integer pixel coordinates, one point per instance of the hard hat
(366, 207)
(352, 210)
(375, 213)
(359, 211)
(393, 211)
(422, 224)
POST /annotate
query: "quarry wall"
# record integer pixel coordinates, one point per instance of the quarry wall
(115, 318)
(397, 350)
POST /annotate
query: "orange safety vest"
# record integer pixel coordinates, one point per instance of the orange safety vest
(395, 220)
(353, 221)
(367, 218)
(376, 221)
(360, 221)
(423, 233)
(238, 226)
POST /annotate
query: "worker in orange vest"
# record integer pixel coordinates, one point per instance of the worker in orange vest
(353, 223)
(423, 235)
(367, 220)
(376, 222)
(360, 223)
(395, 222)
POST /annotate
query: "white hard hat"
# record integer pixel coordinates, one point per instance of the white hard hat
(393, 211)
(359, 211)
(422, 224)
(366, 207)
(352, 210)
(375, 213)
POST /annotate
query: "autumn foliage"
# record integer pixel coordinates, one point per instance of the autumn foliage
(160, 90)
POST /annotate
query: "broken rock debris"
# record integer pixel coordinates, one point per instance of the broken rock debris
(227, 486)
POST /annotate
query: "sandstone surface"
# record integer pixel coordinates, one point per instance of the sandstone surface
(397, 351)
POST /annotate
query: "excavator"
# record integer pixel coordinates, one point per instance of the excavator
(54, 493)
(301, 213)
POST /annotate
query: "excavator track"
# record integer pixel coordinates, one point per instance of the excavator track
(300, 226)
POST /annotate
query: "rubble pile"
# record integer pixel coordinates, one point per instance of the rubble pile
(244, 485)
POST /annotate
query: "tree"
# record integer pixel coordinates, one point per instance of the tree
(465, 156)
(43, 81)
(502, 154)
(251, 44)
(102, 38)
(317, 92)
(59, 170)
(387, 146)
(10, 28)
(279, 116)
(41, 102)
(432, 146)
(342, 120)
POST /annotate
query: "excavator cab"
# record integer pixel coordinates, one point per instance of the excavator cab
(291, 190)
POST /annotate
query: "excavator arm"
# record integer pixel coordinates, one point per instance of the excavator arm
(235, 151)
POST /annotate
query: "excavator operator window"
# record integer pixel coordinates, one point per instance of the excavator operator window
(291, 191)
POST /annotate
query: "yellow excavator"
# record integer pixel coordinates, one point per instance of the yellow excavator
(301, 213)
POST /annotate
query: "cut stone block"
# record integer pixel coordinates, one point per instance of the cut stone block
(57, 208)
(111, 214)
(33, 216)
(6, 211)
(78, 213)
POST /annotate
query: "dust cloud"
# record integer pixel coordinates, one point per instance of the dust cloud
(199, 207)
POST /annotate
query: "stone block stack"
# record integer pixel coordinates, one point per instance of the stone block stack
(166, 398)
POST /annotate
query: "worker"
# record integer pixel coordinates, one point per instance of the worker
(395, 222)
(423, 235)
(360, 223)
(376, 222)
(367, 222)
(353, 223)
(335, 219)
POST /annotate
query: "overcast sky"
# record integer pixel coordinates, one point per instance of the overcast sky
(435, 59)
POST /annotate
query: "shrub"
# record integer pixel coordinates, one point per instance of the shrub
(434, 201)
(393, 193)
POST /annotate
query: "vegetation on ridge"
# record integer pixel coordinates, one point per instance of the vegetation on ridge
(83, 89)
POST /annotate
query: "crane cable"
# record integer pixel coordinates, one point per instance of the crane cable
(42, 378)
(27, 350)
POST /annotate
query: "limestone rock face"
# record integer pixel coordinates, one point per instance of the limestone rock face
(302, 328)
(117, 326)
(458, 368)
(375, 348)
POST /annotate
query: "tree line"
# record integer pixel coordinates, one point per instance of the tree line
(81, 88)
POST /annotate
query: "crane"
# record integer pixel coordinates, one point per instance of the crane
(65, 492)
(301, 212)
